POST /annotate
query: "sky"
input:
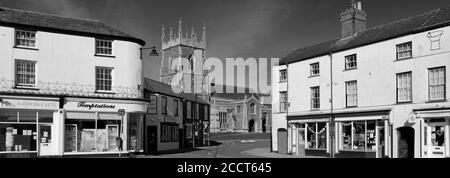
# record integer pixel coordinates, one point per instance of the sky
(235, 28)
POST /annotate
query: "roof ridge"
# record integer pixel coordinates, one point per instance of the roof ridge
(432, 16)
(50, 14)
(402, 20)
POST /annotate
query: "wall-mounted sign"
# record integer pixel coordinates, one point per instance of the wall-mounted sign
(435, 39)
(29, 104)
(95, 105)
(121, 112)
(104, 107)
(153, 105)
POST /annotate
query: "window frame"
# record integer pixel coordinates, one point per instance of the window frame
(313, 98)
(175, 108)
(99, 48)
(283, 78)
(444, 84)
(164, 107)
(283, 102)
(97, 90)
(398, 46)
(26, 31)
(312, 69)
(252, 108)
(347, 94)
(410, 86)
(25, 86)
(348, 62)
(238, 109)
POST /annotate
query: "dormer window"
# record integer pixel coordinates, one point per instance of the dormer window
(26, 39)
(103, 47)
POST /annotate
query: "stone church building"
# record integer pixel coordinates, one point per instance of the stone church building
(240, 112)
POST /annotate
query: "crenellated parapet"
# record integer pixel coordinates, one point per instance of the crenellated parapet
(188, 39)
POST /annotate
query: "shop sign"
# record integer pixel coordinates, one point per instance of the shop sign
(29, 104)
(104, 107)
(121, 112)
(95, 105)
(170, 119)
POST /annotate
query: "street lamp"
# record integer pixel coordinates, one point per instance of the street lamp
(154, 52)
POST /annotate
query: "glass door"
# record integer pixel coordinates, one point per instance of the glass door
(435, 138)
(45, 140)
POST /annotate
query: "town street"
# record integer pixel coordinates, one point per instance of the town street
(235, 145)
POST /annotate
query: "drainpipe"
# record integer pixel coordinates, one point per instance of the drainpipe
(288, 104)
(332, 123)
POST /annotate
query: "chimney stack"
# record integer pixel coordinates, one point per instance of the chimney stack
(353, 20)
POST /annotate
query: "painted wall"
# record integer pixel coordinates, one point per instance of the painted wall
(66, 64)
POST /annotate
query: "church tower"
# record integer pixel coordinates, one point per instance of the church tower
(185, 53)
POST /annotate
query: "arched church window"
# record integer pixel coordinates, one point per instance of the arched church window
(252, 108)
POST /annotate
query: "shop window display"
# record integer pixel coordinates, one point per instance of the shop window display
(88, 136)
(358, 135)
(135, 133)
(316, 135)
(359, 131)
(18, 130)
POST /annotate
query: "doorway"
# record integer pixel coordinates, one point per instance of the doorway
(45, 140)
(405, 142)
(264, 122)
(152, 139)
(435, 138)
(251, 126)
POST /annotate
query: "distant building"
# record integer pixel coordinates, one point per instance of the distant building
(240, 112)
(174, 121)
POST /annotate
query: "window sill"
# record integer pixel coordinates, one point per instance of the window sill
(437, 101)
(351, 69)
(104, 55)
(26, 88)
(366, 151)
(313, 76)
(105, 92)
(285, 81)
(404, 102)
(403, 59)
(316, 149)
(27, 48)
(349, 107)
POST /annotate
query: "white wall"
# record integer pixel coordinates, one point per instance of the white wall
(278, 119)
(71, 59)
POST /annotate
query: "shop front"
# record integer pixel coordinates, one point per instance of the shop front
(103, 127)
(27, 126)
(309, 137)
(434, 128)
(357, 135)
